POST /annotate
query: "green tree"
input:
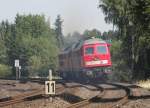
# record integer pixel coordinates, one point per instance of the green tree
(92, 33)
(3, 53)
(132, 20)
(5, 70)
(35, 39)
(31, 40)
(58, 30)
(5, 30)
(6, 40)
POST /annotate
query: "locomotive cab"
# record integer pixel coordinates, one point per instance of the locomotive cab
(96, 57)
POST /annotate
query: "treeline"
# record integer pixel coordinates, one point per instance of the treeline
(31, 40)
(131, 50)
(76, 36)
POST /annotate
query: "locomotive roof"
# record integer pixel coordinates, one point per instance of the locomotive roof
(79, 44)
(93, 41)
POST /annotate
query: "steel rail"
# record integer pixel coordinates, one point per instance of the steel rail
(88, 101)
(24, 96)
(122, 101)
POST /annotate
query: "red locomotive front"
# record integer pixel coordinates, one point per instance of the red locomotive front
(96, 55)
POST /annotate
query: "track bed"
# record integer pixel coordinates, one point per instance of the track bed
(73, 95)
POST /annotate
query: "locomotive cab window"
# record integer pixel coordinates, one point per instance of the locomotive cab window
(89, 50)
(101, 49)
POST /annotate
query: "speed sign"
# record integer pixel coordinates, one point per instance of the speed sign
(49, 87)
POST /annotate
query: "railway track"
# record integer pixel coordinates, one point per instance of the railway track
(87, 101)
(102, 93)
(25, 96)
(124, 99)
(20, 98)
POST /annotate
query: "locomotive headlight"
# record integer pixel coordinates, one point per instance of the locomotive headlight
(104, 61)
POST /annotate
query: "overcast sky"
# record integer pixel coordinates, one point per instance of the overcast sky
(78, 15)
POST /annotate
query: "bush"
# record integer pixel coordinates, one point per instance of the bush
(5, 70)
(121, 71)
(35, 65)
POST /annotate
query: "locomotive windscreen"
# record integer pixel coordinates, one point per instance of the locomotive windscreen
(89, 50)
(101, 50)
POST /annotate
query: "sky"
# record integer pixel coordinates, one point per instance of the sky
(77, 15)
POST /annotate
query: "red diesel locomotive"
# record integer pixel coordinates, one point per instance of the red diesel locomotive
(89, 58)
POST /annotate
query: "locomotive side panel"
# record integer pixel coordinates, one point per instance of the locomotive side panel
(63, 62)
(70, 62)
(76, 60)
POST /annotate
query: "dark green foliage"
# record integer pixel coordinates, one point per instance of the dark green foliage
(5, 70)
(30, 40)
(58, 30)
(92, 33)
(3, 52)
(121, 71)
(132, 19)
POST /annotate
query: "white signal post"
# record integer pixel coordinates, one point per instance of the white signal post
(50, 85)
(50, 75)
(18, 74)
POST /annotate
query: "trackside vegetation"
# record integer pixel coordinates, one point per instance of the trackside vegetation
(131, 48)
(31, 40)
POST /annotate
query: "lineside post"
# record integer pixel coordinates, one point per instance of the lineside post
(50, 86)
(17, 69)
(50, 75)
(17, 73)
